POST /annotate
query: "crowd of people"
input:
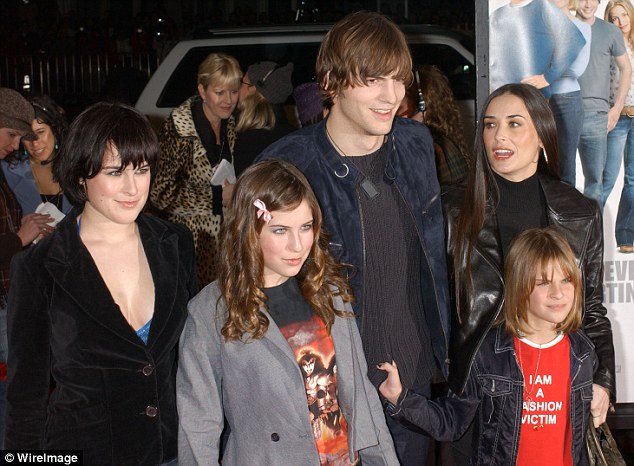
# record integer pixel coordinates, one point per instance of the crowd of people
(233, 290)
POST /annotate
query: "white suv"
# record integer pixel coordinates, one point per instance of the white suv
(175, 79)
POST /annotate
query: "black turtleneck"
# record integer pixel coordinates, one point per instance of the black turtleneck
(522, 206)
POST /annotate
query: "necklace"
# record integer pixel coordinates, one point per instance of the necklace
(367, 186)
(40, 186)
(528, 393)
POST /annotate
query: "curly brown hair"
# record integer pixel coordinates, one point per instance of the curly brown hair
(280, 186)
(441, 113)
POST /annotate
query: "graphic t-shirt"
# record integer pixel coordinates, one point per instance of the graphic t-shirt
(315, 353)
(546, 432)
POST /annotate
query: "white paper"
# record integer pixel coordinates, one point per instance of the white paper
(50, 209)
(224, 171)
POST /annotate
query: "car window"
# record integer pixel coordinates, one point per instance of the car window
(459, 71)
(182, 83)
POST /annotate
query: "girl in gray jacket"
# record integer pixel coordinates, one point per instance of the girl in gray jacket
(272, 346)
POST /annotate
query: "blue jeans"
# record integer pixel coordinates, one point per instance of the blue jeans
(568, 112)
(620, 141)
(625, 216)
(593, 152)
(3, 385)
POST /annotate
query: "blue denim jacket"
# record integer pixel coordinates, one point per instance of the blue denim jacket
(411, 167)
(493, 396)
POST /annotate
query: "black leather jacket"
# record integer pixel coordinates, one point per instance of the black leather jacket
(580, 220)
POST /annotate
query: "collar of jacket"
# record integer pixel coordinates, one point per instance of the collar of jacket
(344, 169)
(72, 268)
(580, 344)
(184, 120)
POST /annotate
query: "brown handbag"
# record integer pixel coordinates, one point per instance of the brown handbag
(601, 447)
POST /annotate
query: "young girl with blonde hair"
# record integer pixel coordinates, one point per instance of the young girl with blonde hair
(530, 386)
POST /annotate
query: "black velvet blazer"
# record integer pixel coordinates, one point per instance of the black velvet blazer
(114, 397)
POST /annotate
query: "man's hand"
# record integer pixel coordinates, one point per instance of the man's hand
(613, 117)
(536, 80)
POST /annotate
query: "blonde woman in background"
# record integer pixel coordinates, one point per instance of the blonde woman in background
(621, 138)
(194, 139)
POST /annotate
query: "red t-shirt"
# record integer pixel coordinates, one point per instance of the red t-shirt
(546, 432)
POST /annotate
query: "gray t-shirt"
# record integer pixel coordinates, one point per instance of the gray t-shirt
(607, 42)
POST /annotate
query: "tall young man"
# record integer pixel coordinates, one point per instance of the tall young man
(375, 179)
(599, 119)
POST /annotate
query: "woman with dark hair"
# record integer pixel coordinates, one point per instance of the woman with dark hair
(279, 296)
(29, 172)
(513, 185)
(98, 306)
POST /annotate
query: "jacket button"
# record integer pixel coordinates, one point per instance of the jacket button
(151, 411)
(148, 370)
(275, 437)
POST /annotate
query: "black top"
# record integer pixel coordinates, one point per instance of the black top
(522, 206)
(250, 143)
(393, 323)
(215, 152)
(286, 303)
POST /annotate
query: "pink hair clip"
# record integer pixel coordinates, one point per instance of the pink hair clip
(262, 211)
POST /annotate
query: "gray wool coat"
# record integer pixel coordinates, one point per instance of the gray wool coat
(259, 387)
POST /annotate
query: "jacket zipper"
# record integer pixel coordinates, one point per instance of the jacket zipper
(363, 261)
(422, 246)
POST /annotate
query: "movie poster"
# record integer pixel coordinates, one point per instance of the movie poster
(529, 41)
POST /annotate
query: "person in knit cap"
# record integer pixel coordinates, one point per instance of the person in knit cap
(269, 79)
(16, 232)
(261, 119)
(308, 102)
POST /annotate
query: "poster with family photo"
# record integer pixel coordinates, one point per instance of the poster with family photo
(545, 44)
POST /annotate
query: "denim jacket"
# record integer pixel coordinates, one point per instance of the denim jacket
(410, 166)
(493, 396)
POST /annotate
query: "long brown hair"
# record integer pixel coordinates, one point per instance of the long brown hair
(441, 112)
(280, 186)
(481, 190)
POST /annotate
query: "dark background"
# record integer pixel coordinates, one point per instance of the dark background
(82, 51)
(78, 50)
(56, 26)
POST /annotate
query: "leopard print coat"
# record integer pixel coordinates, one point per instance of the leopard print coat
(182, 189)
